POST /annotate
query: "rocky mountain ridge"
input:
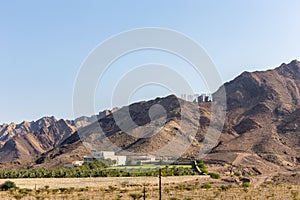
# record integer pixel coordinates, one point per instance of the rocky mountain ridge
(27, 140)
(261, 130)
(263, 108)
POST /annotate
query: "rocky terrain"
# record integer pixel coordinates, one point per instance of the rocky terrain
(29, 139)
(263, 108)
(21, 144)
(260, 134)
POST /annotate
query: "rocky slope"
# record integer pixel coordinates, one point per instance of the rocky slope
(24, 142)
(148, 134)
(263, 113)
(261, 131)
(28, 139)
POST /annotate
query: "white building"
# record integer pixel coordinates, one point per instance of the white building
(120, 160)
(77, 163)
(74, 164)
(141, 159)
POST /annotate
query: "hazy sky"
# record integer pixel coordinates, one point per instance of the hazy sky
(43, 43)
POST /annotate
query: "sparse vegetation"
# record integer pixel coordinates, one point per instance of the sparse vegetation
(225, 187)
(8, 185)
(180, 190)
(136, 196)
(202, 166)
(214, 175)
(237, 173)
(206, 186)
(246, 185)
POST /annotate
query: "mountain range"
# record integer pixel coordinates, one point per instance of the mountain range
(261, 132)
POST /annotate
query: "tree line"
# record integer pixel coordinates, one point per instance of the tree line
(95, 169)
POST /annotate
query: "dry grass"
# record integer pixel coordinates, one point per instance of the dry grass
(185, 187)
(36, 183)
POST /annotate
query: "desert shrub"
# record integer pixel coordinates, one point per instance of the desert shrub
(63, 190)
(25, 191)
(55, 191)
(119, 197)
(111, 188)
(201, 165)
(83, 189)
(135, 196)
(124, 183)
(19, 196)
(123, 190)
(237, 173)
(190, 187)
(206, 186)
(214, 175)
(166, 190)
(225, 187)
(246, 185)
(8, 185)
(294, 194)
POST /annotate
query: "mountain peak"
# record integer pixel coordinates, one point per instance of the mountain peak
(261, 127)
(295, 62)
(290, 70)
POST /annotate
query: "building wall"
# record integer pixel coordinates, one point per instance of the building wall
(120, 160)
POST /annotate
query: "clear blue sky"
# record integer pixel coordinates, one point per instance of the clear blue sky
(43, 43)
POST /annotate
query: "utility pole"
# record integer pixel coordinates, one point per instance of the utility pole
(159, 182)
(144, 192)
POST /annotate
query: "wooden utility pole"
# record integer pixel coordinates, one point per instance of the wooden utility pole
(159, 182)
(144, 192)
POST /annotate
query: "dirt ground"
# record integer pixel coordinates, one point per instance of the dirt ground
(36, 183)
(280, 186)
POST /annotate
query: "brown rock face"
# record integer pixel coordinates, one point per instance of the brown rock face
(246, 125)
(25, 141)
(146, 127)
(261, 131)
(263, 109)
(28, 139)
